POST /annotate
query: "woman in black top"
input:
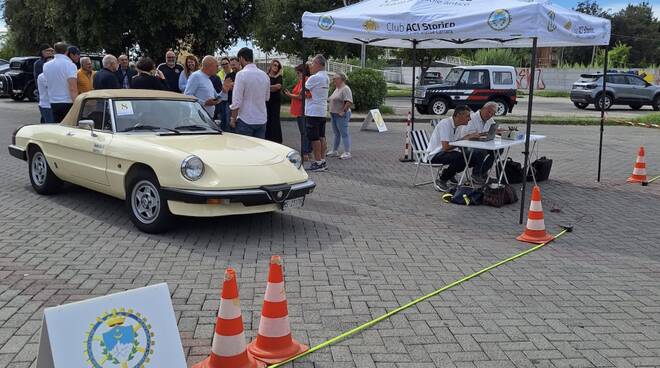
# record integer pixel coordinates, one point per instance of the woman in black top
(148, 76)
(273, 127)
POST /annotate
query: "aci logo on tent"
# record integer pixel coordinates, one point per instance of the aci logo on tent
(326, 22)
(499, 19)
(120, 338)
(370, 25)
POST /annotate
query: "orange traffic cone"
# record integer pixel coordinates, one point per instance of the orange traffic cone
(228, 349)
(274, 342)
(639, 172)
(535, 229)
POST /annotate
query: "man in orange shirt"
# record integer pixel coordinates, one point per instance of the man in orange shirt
(85, 75)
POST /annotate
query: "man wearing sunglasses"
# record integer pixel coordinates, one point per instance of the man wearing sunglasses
(171, 70)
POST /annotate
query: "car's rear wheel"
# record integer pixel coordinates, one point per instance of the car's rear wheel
(32, 93)
(656, 103)
(439, 106)
(42, 178)
(146, 207)
(606, 99)
(502, 107)
(581, 105)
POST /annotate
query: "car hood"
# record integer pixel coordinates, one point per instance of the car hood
(439, 86)
(222, 149)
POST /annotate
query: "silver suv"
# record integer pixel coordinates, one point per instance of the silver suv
(621, 89)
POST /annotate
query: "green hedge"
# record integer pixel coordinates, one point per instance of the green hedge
(368, 87)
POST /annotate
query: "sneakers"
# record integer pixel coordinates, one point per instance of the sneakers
(441, 185)
(318, 166)
(332, 154)
(345, 156)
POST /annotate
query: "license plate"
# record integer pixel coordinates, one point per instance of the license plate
(293, 203)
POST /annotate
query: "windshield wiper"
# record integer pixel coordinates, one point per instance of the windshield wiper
(149, 127)
(196, 128)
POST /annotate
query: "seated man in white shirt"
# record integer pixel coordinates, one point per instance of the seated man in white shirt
(480, 123)
(440, 149)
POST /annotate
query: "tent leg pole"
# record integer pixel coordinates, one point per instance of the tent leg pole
(412, 95)
(532, 81)
(303, 92)
(363, 55)
(602, 114)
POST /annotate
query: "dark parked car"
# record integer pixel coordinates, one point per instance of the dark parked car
(431, 78)
(621, 89)
(18, 83)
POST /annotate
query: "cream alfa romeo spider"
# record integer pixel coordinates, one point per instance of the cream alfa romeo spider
(163, 155)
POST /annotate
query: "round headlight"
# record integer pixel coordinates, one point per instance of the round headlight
(295, 159)
(192, 168)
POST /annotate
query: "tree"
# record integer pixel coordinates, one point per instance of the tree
(278, 27)
(424, 57)
(636, 26)
(617, 57)
(584, 55)
(201, 26)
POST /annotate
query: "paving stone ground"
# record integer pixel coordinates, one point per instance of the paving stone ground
(365, 243)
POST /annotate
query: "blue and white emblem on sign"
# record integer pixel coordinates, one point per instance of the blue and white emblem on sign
(499, 19)
(120, 339)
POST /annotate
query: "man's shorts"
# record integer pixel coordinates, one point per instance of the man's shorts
(315, 128)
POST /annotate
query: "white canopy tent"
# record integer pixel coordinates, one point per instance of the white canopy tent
(434, 24)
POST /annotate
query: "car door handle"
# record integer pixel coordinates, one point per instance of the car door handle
(70, 134)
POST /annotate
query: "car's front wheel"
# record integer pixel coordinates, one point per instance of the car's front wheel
(581, 105)
(439, 106)
(502, 107)
(42, 178)
(146, 207)
(656, 103)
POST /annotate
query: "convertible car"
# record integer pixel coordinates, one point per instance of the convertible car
(163, 155)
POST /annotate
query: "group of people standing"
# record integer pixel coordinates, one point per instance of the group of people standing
(245, 99)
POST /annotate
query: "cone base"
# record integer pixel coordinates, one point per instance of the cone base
(534, 239)
(633, 179)
(273, 357)
(249, 363)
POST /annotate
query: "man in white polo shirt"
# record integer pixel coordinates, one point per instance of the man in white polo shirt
(251, 91)
(316, 107)
(61, 74)
(440, 149)
(480, 123)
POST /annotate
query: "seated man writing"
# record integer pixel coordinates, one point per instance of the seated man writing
(440, 149)
(480, 123)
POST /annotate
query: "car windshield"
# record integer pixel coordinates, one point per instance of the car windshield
(453, 75)
(166, 116)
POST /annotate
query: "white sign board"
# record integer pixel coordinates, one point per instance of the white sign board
(135, 328)
(375, 116)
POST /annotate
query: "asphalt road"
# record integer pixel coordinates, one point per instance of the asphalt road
(543, 106)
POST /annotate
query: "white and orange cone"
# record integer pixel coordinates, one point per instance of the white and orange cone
(639, 172)
(228, 349)
(535, 228)
(274, 342)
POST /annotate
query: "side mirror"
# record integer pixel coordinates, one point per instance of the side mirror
(87, 124)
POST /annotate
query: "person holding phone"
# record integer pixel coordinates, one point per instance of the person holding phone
(200, 86)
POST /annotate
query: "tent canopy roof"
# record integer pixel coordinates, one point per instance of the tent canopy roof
(457, 24)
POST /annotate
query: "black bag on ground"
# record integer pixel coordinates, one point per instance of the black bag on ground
(498, 195)
(513, 171)
(541, 168)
